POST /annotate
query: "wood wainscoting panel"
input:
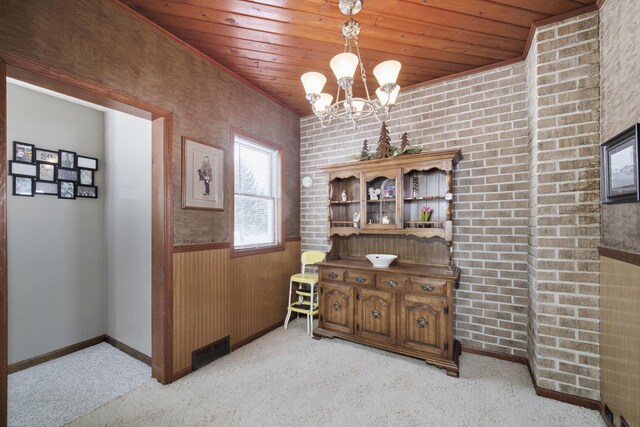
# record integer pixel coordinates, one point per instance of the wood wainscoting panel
(202, 302)
(620, 338)
(259, 287)
(216, 295)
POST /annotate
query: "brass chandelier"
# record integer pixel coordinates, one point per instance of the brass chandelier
(344, 66)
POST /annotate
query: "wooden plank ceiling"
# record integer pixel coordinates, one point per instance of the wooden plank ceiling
(271, 43)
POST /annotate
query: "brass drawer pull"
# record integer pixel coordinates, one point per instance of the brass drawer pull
(360, 279)
(332, 275)
(336, 306)
(391, 283)
(422, 323)
(427, 288)
(375, 314)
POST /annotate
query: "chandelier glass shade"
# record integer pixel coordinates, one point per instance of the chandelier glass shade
(344, 66)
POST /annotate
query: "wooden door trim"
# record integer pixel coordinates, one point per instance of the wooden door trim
(162, 218)
(4, 354)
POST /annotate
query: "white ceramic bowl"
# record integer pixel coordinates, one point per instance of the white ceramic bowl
(381, 260)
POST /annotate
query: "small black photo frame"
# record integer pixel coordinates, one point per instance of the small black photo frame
(46, 188)
(66, 190)
(22, 186)
(46, 172)
(23, 152)
(46, 156)
(66, 175)
(86, 177)
(85, 162)
(27, 170)
(619, 168)
(67, 159)
(88, 191)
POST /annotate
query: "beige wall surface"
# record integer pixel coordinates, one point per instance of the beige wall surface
(620, 103)
(95, 40)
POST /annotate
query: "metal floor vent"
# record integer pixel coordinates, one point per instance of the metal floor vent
(209, 353)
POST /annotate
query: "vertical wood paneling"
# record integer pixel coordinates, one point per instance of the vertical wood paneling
(620, 338)
(259, 290)
(216, 296)
(201, 302)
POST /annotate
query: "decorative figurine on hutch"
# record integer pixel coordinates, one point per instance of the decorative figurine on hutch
(343, 196)
(373, 193)
(356, 219)
(385, 219)
(384, 149)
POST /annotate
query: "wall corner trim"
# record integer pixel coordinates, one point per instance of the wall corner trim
(543, 392)
(563, 397)
(628, 257)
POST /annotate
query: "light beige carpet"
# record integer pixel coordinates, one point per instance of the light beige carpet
(286, 378)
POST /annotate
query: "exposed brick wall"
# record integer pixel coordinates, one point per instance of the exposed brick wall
(484, 115)
(532, 103)
(565, 200)
(526, 198)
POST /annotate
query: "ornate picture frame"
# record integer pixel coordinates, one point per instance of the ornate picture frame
(202, 175)
(620, 180)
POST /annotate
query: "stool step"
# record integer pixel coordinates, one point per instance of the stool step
(306, 293)
(303, 307)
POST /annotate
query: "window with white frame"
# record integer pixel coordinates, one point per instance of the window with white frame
(256, 195)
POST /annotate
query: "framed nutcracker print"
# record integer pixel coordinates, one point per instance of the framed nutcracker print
(202, 175)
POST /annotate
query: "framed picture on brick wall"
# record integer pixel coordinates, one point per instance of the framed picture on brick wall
(619, 167)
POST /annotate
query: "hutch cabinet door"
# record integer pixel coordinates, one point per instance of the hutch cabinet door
(336, 307)
(376, 315)
(423, 324)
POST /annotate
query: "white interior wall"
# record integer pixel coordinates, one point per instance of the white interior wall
(80, 268)
(56, 248)
(128, 229)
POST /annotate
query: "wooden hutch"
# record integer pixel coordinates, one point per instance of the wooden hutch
(376, 206)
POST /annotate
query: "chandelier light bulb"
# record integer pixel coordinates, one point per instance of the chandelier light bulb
(313, 82)
(323, 102)
(384, 96)
(387, 72)
(357, 107)
(344, 65)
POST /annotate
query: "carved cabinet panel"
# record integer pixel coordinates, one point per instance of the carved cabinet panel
(376, 315)
(423, 324)
(336, 307)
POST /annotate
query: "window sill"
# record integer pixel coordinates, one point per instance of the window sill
(236, 253)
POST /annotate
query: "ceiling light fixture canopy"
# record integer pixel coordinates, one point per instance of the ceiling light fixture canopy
(344, 66)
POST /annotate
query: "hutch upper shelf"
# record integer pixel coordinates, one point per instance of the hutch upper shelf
(409, 194)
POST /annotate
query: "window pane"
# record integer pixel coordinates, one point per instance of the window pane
(254, 221)
(254, 170)
(256, 188)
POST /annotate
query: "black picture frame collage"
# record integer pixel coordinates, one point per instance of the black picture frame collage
(61, 173)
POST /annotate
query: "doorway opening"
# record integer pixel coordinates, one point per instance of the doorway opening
(161, 223)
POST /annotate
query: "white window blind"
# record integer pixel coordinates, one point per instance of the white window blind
(256, 187)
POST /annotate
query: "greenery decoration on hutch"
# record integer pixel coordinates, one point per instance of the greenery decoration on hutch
(408, 307)
(385, 149)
